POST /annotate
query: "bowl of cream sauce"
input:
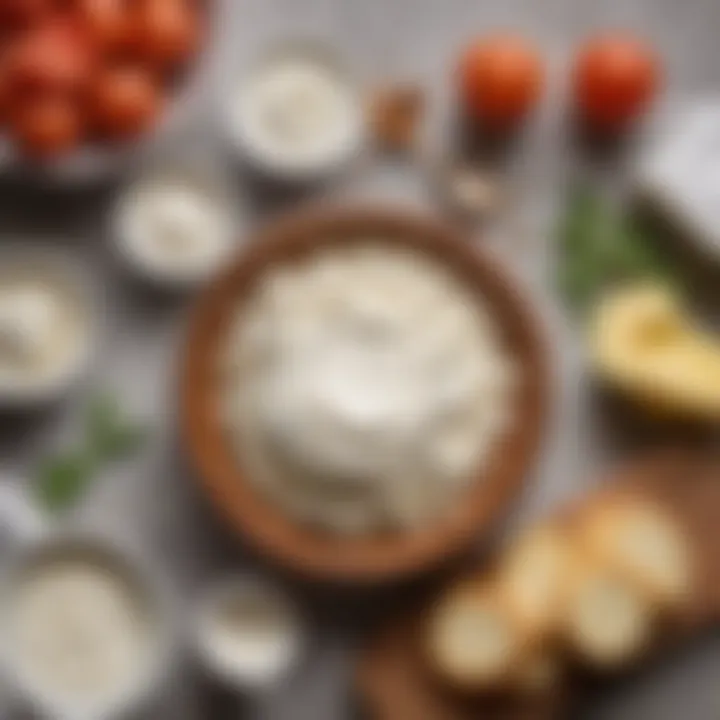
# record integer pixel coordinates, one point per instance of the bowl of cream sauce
(296, 114)
(85, 628)
(46, 325)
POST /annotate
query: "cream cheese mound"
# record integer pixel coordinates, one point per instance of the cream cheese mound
(365, 387)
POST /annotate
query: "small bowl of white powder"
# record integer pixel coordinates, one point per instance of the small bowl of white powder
(297, 114)
(46, 325)
(249, 634)
(85, 629)
(177, 222)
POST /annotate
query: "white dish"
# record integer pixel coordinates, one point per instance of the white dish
(146, 676)
(175, 181)
(248, 634)
(262, 112)
(67, 277)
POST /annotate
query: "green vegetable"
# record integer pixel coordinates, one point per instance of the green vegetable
(109, 437)
(62, 479)
(599, 245)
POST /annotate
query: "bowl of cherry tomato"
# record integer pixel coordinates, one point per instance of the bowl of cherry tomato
(82, 82)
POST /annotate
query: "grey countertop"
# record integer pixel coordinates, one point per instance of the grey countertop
(153, 501)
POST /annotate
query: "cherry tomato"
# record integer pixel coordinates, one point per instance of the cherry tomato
(21, 13)
(47, 127)
(616, 78)
(54, 57)
(167, 31)
(107, 22)
(5, 94)
(501, 79)
(126, 100)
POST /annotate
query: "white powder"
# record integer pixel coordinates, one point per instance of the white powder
(365, 388)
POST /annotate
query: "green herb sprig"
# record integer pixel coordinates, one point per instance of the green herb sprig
(109, 437)
(599, 245)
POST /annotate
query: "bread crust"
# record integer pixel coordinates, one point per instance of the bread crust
(643, 541)
(453, 634)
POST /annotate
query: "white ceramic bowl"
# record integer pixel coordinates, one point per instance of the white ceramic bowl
(69, 275)
(201, 166)
(148, 677)
(270, 166)
(255, 592)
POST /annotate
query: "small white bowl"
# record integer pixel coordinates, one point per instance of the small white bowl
(68, 275)
(207, 172)
(258, 672)
(269, 165)
(150, 675)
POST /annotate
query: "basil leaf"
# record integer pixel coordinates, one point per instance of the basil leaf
(62, 479)
(598, 245)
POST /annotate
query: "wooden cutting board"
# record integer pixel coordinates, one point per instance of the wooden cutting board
(392, 682)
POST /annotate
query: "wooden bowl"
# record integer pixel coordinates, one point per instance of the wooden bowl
(377, 557)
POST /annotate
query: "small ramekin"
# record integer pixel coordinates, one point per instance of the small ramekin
(203, 166)
(273, 169)
(247, 684)
(70, 275)
(150, 677)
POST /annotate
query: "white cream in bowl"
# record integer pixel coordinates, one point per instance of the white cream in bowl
(365, 387)
(176, 224)
(297, 114)
(82, 629)
(249, 635)
(45, 325)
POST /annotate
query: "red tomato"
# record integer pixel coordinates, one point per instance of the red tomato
(54, 57)
(20, 13)
(616, 78)
(5, 95)
(125, 102)
(47, 127)
(167, 31)
(107, 22)
(501, 79)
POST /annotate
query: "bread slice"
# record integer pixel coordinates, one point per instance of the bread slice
(533, 576)
(641, 539)
(474, 642)
(608, 621)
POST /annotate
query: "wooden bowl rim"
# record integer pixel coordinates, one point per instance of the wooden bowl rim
(377, 558)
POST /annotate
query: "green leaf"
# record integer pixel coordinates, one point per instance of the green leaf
(599, 245)
(63, 479)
